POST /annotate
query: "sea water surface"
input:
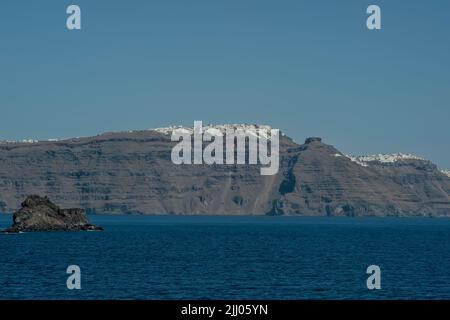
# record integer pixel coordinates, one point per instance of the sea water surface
(179, 257)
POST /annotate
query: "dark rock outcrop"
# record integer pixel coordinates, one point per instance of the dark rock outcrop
(40, 214)
(313, 139)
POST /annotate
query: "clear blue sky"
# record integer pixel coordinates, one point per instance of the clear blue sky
(310, 68)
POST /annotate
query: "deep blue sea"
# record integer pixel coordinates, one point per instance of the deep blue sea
(179, 257)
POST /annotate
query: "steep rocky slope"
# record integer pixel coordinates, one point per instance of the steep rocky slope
(131, 172)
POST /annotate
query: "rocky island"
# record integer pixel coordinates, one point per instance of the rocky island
(40, 214)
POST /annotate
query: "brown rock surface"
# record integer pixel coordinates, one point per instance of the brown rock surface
(131, 172)
(40, 214)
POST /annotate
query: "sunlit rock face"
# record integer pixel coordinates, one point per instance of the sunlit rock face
(132, 172)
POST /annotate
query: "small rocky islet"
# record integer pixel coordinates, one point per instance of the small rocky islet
(40, 214)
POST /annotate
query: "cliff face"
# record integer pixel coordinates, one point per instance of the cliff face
(132, 172)
(327, 182)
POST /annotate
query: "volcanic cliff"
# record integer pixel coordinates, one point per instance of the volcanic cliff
(132, 172)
